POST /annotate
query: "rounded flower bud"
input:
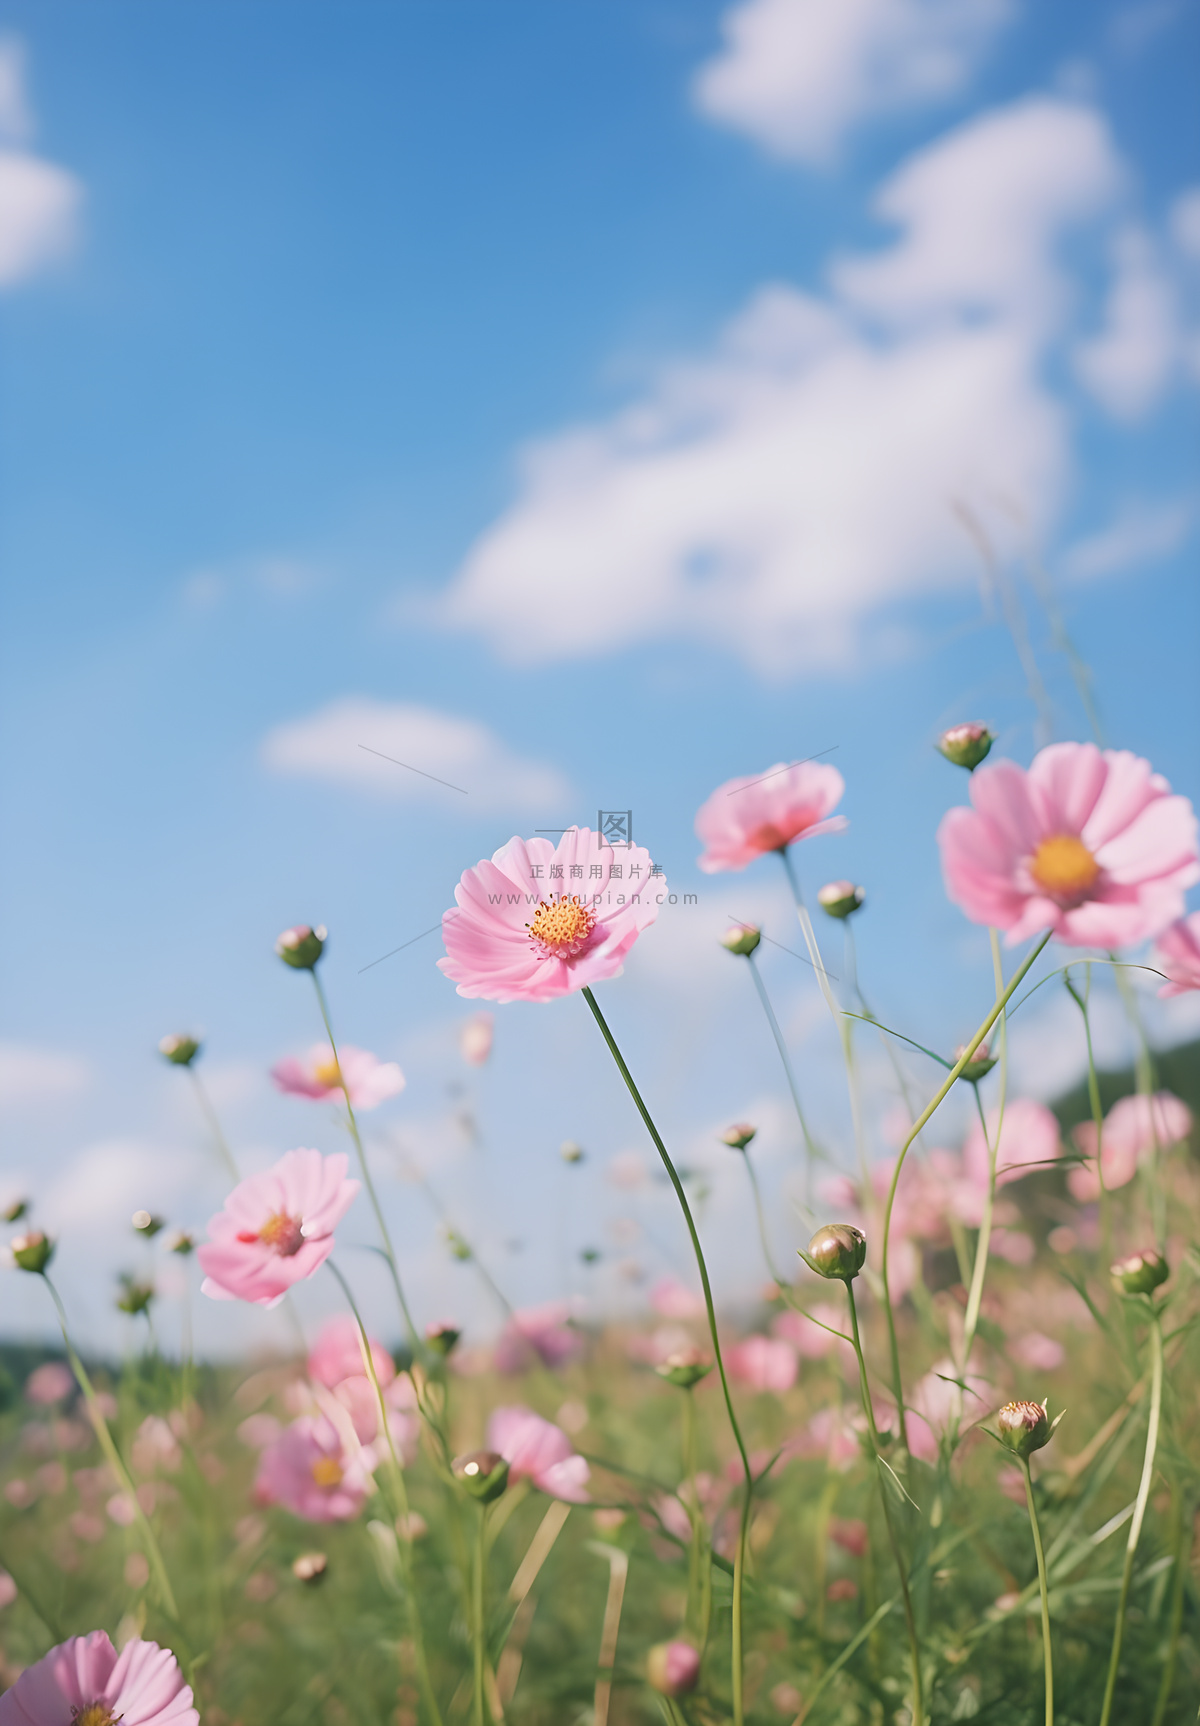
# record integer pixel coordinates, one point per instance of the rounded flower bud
(673, 1668)
(980, 1064)
(135, 1296)
(1141, 1273)
(738, 1136)
(180, 1049)
(18, 1209)
(838, 1250)
(966, 745)
(484, 1474)
(181, 1242)
(147, 1224)
(840, 898)
(301, 947)
(310, 1567)
(32, 1252)
(741, 938)
(686, 1367)
(570, 1152)
(442, 1338)
(1025, 1426)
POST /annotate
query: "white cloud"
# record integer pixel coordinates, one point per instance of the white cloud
(1184, 222)
(30, 1076)
(39, 203)
(1140, 534)
(1129, 363)
(772, 494)
(796, 75)
(343, 743)
(102, 1185)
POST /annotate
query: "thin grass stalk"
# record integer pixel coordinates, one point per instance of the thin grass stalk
(1083, 1003)
(1139, 1511)
(983, 1244)
(811, 1148)
(1183, 1552)
(214, 1125)
(1044, 1590)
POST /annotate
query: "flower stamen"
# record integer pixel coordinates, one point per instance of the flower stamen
(282, 1233)
(1063, 867)
(327, 1471)
(561, 927)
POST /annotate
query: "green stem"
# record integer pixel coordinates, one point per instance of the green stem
(922, 1120)
(214, 1125)
(748, 1493)
(477, 1614)
(983, 1244)
(914, 1643)
(1043, 1586)
(762, 1221)
(812, 1149)
(1082, 1002)
(389, 1250)
(1139, 1509)
(1183, 1542)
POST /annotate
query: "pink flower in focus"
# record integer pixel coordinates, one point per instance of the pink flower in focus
(356, 1073)
(86, 1680)
(49, 1383)
(1028, 1140)
(672, 1299)
(764, 1363)
(276, 1228)
(309, 1471)
(537, 1450)
(1177, 953)
(522, 932)
(475, 1038)
(337, 1354)
(1091, 845)
(1133, 1128)
(746, 817)
(537, 1330)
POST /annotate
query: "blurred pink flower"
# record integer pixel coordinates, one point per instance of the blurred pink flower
(673, 1668)
(764, 1363)
(8, 1590)
(940, 1406)
(1039, 1353)
(539, 1451)
(540, 920)
(309, 1471)
(357, 1396)
(356, 1073)
(337, 1354)
(276, 1228)
(49, 1383)
(475, 1038)
(1028, 1139)
(1177, 953)
(810, 1341)
(746, 817)
(672, 1299)
(540, 1331)
(1090, 845)
(85, 1678)
(850, 1534)
(829, 1434)
(1133, 1127)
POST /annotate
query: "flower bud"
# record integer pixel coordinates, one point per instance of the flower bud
(966, 745)
(570, 1152)
(442, 1338)
(180, 1049)
(310, 1567)
(32, 1252)
(147, 1224)
(838, 1250)
(181, 1242)
(980, 1064)
(135, 1296)
(1140, 1273)
(840, 898)
(686, 1367)
(741, 938)
(18, 1209)
(1025, 1426)
(738, 1136)
(673, 1668)
(301, 947)
(484, 1474)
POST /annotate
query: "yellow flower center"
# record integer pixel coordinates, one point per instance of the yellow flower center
(1064, 867)
(283, 1234)
(327, 1471)
(561, 927)
(95, 1714)
(328, 1073)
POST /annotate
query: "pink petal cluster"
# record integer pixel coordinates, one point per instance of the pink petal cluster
(765, 1363)
(1177, 954)
(336, 1365)
(140, 1686)
(1029, 1139)
(744, 818)
(276, 1228)
(539, 1332)
(475, 1038)
(941, 1407)
(1089, 844)
(357, 1074)
(540, 920)
(809, 1339)
(49, 1383)
(337, 1354)
(672, 1299)
(309, 1470)
(537, 1450)
(1133, 1129)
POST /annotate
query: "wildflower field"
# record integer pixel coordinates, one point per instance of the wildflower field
(945, 1469)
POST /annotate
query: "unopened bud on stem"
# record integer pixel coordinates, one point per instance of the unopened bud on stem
(738, 1136)
(673, 1668)
(840, 899)
(741, 938)
(180, 1049)
(301, 947)
(980, 1064)
(838, 1251)
(443, 1338)
(32, 1252)
(686, 1367)
(1141, 1273)
(966, 745)
(1025, 1426)
(484, 1474)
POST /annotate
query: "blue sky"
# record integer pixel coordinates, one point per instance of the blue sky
(579, 396)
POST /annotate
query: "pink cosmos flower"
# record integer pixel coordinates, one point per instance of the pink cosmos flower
(940, 1406)
(810, 1340)
(1177, 952)
(337, 1354)
(537, 1450)
(764, 1363)
(357, 1396)
(540, 1331)
(86, 1681)
(1028, 1140)
(1040, 1353)
(49, 1383)
(276, 1228)
(672, 1299)
(310, 1472)
(1133, 1128)
(356, 1074)
(540, 920)
(746, 817)
(1091, 845)
(475, 1038)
